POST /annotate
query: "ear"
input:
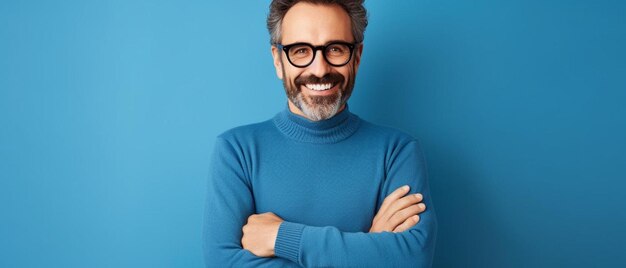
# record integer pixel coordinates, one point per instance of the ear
(357, 57)
(276, 54)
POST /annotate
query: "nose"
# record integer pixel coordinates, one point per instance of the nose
(319, 67)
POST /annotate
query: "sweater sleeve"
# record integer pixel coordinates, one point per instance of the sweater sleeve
(327, 246)
(229, 203)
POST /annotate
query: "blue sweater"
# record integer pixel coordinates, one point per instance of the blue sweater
(327, 180)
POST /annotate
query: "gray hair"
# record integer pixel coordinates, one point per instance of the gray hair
(355, 9)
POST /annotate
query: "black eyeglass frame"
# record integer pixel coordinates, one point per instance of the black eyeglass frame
(323, 48)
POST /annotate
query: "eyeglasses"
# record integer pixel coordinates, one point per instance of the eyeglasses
(302, 54)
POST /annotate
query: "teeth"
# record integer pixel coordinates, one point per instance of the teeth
(319, 87)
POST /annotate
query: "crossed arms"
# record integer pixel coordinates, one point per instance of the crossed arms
(395, 239)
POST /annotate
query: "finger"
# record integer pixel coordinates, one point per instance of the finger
(400, 204)
(404, 214)
(395, 195)
(410, 222)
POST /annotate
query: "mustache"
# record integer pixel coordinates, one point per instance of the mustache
(334, 78)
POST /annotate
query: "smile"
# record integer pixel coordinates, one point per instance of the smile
(319, 87)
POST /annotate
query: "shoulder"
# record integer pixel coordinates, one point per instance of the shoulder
(393, 136)
(245, 132)
(397, 145)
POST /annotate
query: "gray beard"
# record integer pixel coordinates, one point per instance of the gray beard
(322, 108)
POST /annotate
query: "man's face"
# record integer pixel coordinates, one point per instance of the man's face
(306, 87)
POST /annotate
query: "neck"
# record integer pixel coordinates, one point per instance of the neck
(296, 110)
(332, 130)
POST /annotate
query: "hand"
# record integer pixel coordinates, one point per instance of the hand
(398, 214)
(259, 234)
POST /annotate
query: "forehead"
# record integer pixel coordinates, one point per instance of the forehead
(316, 24)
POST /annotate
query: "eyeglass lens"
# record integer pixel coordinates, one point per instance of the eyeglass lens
(336, 54)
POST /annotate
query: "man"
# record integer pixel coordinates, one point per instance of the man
(302, 188)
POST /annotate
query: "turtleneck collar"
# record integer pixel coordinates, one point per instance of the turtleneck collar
(331, 130)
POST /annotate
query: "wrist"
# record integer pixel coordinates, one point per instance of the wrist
(288, 240)
(275, 229)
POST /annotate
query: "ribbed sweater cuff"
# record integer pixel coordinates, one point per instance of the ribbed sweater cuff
(288, 241)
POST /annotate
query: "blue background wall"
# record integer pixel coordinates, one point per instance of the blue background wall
(109, 110)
